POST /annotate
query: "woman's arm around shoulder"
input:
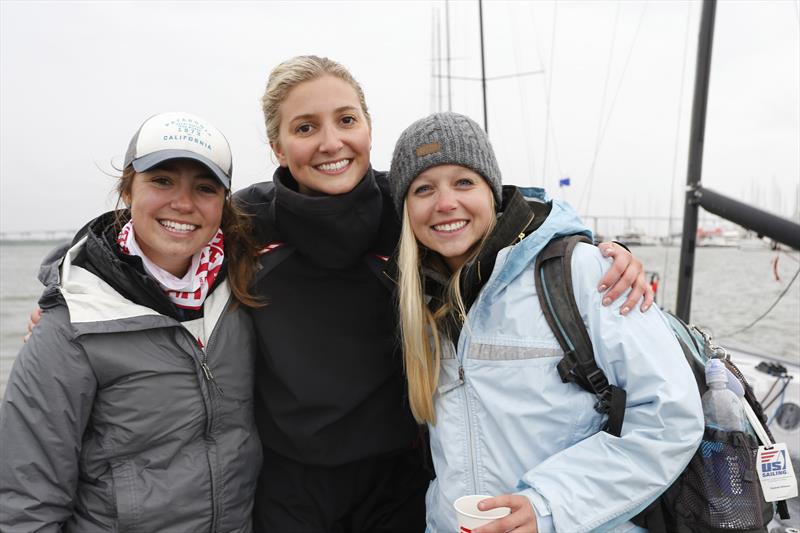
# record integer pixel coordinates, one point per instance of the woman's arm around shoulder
(47, 404)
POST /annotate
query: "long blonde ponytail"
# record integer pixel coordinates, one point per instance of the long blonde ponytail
(421, 360)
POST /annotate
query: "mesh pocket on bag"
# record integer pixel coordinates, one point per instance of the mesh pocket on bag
(719, 490)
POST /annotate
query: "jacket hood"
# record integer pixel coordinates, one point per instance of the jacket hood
(561, 221)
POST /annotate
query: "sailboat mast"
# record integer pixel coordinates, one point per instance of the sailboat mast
(694, 173)
(483, 68)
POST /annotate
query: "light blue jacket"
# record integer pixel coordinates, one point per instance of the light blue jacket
(511, 426)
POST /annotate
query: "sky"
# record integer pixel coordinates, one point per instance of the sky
(607, 104)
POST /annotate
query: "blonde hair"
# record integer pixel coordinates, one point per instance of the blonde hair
(293, 72)
(420, 330)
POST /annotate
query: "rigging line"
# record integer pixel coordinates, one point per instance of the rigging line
(786, 381)
(675, 150)
(603, 100)
(548, 92)
(438, 37)
(541, 63)
(590, 180)
(433, 62)
(790, 256)
(447, 42)
(554, 137)
(526, 124)
(771, 307)
(777, 380)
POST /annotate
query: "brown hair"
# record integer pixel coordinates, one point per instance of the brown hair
(241, 251)
(293, 72)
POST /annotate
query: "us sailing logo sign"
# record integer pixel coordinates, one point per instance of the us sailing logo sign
(773, 463)
(775, 472)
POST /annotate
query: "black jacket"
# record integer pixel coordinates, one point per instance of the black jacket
(329, 380)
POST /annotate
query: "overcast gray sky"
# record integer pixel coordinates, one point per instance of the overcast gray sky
(77, 79)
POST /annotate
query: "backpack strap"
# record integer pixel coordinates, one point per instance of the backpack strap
(271, 255)
(557, 299)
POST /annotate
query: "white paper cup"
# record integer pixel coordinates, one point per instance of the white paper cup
(470, 517)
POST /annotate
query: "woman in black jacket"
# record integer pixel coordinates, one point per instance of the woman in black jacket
(341, 449)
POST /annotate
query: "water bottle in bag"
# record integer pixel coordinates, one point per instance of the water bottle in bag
(721, 406)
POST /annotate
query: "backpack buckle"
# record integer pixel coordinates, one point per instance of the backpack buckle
(603, 403)
(598, 382)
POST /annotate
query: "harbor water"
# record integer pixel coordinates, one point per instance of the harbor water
(731, 289)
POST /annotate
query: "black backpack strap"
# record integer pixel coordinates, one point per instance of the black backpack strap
(557, 299)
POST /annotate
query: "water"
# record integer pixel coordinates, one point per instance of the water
(731, 289)
(19, 292)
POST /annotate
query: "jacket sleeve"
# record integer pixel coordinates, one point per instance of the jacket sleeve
(603, 480)
(47, 404)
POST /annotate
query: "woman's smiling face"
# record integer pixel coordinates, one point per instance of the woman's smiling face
(450, 209)
(176, 209)
(324, 137)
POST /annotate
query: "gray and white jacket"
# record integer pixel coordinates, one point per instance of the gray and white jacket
(115, 418)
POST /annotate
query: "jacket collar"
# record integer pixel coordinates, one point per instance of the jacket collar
(331, 231)
(517, 218)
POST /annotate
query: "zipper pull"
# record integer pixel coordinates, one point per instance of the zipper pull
(207, 371)
(447, 387)
(210, 377)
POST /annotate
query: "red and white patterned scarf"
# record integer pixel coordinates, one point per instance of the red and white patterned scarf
(190, 291)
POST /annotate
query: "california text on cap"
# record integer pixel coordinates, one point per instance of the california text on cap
(177, 135)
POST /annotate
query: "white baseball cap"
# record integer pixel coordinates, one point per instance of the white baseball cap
(176, 135)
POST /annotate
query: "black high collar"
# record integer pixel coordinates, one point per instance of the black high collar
(332, 231)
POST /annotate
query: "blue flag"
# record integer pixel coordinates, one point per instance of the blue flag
(563, 182)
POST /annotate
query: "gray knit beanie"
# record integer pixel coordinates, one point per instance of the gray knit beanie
(442, 139)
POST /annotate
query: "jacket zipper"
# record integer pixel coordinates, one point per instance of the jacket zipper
(207, 404)
(209, 376)
(470, 444)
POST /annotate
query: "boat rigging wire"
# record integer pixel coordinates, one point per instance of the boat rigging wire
(548, 91)
(786, 380)
(677, 138)
(602, 133)
(447, 44)
(602, 103)
(530, 156)
(765, 313)
(783, 378)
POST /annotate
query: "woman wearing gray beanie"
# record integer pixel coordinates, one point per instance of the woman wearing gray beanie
(483, 366)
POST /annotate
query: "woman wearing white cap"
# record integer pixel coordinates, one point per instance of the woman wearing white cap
(130, 407)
